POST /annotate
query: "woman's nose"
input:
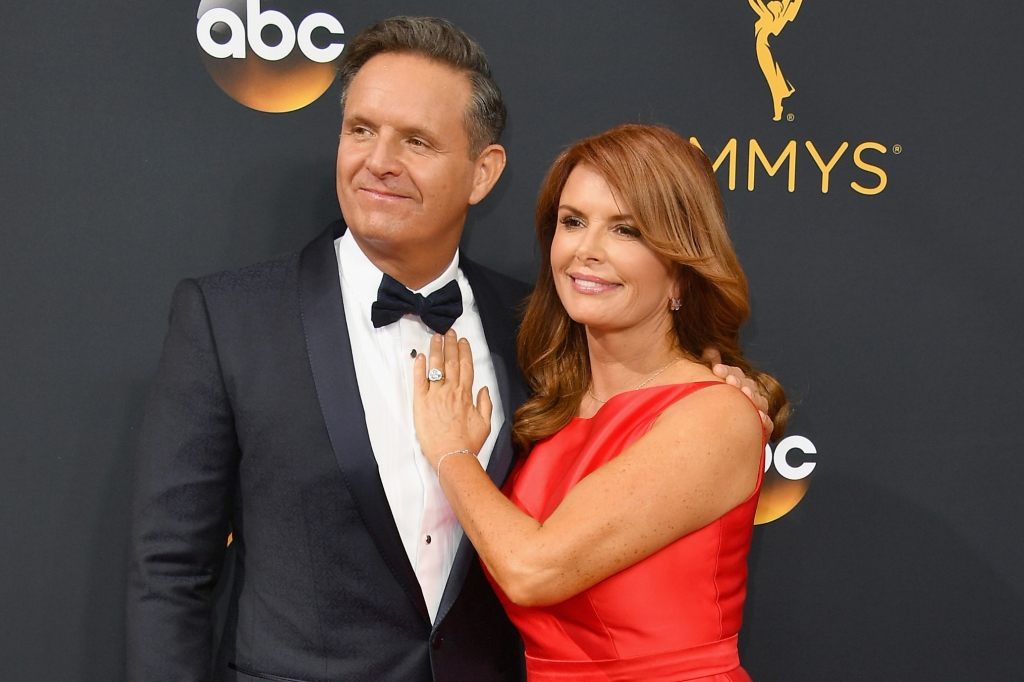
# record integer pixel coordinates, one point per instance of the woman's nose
(591, 245)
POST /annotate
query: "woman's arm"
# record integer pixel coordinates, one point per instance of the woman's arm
(698, 461)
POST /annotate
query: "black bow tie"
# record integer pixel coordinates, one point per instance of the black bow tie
(438, 311)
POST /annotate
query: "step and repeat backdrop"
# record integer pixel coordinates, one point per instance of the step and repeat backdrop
(869, 155)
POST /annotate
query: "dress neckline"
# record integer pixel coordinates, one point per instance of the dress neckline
(641, 390)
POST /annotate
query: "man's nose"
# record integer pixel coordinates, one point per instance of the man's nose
(384, 157)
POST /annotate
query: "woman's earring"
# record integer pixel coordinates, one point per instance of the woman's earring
(675, 303)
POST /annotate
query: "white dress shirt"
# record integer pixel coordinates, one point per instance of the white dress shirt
(384, 362)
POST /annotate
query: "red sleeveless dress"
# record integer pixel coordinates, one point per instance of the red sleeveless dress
(673, 616)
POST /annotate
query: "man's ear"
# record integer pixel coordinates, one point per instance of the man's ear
(489, 166)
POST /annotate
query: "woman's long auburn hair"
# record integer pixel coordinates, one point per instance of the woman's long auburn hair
(670, 188)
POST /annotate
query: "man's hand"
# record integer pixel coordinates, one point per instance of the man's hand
(734, 376)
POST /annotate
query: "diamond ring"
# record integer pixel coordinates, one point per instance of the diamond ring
(435, 374)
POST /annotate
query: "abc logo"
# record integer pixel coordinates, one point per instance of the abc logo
(263, 60)
(784, 484)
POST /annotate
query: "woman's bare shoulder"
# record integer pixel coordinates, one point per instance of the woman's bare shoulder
(715, 410)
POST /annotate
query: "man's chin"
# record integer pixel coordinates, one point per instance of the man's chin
(383, 229)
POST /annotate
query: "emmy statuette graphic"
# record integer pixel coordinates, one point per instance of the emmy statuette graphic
(772, 18)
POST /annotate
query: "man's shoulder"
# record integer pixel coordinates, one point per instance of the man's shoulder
(255, 297)
(272, 274)
(241, 293)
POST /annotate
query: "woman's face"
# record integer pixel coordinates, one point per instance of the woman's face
(606, 276)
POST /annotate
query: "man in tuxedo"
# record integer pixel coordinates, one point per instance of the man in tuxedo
(282, 410)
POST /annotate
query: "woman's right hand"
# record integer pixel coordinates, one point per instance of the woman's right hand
(446, 418)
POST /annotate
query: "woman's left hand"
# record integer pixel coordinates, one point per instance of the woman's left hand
(734, 376)
(445, 416)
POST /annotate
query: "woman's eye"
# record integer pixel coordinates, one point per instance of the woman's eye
(628, 231)
(571, 221)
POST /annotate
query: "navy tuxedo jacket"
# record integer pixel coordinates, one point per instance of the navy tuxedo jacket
(255, 426)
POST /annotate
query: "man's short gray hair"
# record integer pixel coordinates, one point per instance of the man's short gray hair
(442, 41)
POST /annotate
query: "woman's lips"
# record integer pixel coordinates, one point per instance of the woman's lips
(588, 284)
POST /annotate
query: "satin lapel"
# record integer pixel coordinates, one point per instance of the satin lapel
(330, 358)
(500, 329)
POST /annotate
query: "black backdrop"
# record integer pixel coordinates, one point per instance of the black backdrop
(894, 319)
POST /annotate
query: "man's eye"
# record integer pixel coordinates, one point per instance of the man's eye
(416, 142)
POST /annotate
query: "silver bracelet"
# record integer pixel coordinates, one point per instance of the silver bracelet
(453, 452)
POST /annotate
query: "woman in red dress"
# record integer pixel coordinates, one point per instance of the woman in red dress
(620, 550)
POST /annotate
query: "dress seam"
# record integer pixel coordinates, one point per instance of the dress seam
(608, 633)
(649, 654)
(714, 578)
